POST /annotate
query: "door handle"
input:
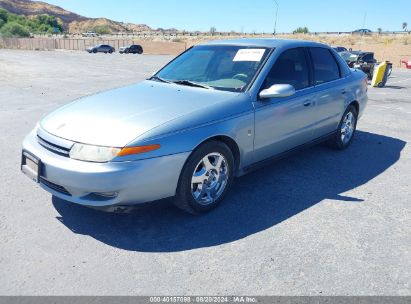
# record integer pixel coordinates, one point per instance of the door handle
(307, 103)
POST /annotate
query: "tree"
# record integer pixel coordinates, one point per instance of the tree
(213, 30)
(405, 26)
(4, 15)
(301, 30)
(13, 29)
(379, 30)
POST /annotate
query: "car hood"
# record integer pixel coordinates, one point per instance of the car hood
(116, 117)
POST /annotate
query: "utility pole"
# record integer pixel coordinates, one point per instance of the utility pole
(276, 15)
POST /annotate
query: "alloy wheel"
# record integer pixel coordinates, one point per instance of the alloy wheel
(348, 127)
(210, 178)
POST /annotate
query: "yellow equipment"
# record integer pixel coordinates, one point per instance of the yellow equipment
(380, 75)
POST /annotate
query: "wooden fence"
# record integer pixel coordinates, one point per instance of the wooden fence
(150, 47)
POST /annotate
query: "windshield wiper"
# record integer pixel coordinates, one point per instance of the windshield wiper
(157, 78)
(192, 84)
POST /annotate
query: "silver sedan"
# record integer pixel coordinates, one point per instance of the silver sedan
(216, 112)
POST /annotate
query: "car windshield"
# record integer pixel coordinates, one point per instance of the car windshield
(220, 67)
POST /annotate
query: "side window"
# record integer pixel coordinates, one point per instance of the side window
(325, 67)
(367, 58)
(290, 68)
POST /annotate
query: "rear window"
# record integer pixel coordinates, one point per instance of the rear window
(325, 67)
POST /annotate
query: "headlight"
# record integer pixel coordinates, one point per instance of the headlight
(100, 154)
(93, 153)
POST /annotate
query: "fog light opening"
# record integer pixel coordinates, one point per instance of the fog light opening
(107, 194)
(101, 196)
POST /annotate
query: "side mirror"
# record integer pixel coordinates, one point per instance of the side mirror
(277, 91)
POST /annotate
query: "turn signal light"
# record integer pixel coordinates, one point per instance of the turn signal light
(137, 150)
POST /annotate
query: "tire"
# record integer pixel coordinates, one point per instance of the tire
(111, 51)
(219, 178)
(338, 141)
(94, 51)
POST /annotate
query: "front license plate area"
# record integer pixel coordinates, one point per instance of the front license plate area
(31, 166)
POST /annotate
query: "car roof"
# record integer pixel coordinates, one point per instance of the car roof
(265, 42)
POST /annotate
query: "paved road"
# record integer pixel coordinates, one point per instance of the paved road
(317, 223)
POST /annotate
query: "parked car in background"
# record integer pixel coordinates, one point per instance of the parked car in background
(363, 61)
(132, 49)
(362, 32)
(101, 48)
(89, 34)
(216, 112)
(339, 49)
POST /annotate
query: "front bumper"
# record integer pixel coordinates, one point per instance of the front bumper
(87, 183)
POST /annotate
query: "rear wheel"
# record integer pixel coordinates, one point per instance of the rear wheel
(346, 129)
(205, 178)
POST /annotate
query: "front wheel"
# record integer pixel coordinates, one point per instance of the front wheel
(346, 129)
(205, 178)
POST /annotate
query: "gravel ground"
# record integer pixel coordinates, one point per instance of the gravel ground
(317, 223)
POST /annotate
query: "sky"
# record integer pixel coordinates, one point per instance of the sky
(249, 15)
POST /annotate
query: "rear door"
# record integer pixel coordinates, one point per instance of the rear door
(331, 90)
(284, 123)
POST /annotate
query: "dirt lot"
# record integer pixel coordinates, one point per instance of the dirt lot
(386, 47)
(317, 223)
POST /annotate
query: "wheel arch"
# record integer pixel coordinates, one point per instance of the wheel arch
(232, 145)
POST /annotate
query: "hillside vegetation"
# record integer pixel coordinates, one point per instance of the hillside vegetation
(13, 25)
(70, 21)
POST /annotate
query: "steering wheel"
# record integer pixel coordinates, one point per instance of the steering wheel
(240, 77)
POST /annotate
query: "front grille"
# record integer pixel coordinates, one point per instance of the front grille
(53, 147)
(54, 186)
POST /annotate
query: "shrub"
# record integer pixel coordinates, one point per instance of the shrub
(36, 24)
(4, 15)
(301, 30)
(102, 30)
(13, 29)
